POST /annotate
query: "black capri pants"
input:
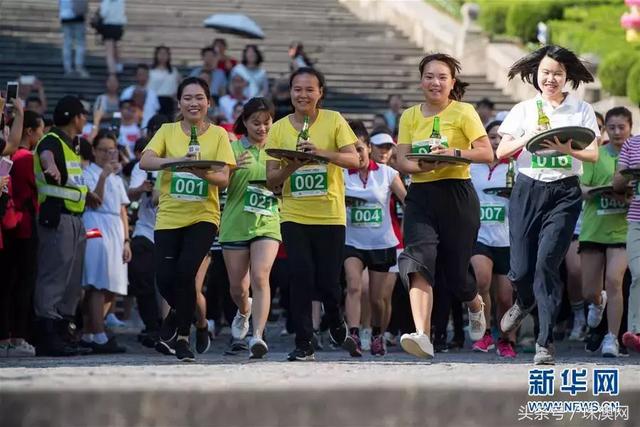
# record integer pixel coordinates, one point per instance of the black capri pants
(441, 224)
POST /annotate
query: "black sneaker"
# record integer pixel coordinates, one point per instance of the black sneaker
(338, 334)
(166, 348)
(352, 345)
(236, 346)
(110, 347)
(455, 345)
(149, 339)
(301, 355)
(440, 347)
(593, 341)
(169, 327)
(203, 340)
(183, 351)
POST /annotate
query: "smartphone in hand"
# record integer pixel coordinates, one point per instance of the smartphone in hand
(12, 92)
(5, 166)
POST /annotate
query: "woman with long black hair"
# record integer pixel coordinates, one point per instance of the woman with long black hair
(546, 199)
(442, 214)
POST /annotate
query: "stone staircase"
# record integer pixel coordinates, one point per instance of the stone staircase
(364, 62)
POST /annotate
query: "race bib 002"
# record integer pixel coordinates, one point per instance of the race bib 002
(309, 181)
(186, 186)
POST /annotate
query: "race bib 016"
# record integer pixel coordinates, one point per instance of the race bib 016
(551, 162)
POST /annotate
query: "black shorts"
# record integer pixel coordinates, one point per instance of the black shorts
(441, 223)
(111, 32)
(499, 256)
(380, 260)
(599, 247)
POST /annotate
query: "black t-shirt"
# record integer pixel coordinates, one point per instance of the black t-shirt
(52, 207)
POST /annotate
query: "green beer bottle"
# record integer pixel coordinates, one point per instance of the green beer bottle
(436, 137)
(304, 132)
(511, 173)
(194, 145)
(543, 120)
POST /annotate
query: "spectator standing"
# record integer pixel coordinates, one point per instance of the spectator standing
(108, 102)
(253, 73)
(142, 95)
(236, 95)
(72, 20)
(298, 58)
(225, 63)
(114, 19)
(129, 129)
(392, 115)
(217, 76)
(164, 80)
(486, 110)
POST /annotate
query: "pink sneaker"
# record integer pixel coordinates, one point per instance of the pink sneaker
(377, 346)
(484, 344)
(506, 349)
(632, 341)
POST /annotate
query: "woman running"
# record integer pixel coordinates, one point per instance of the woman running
(603, 235)
(490, 260)
(370, 243)
(442, 214)
(546, 199)
(188, 213)
(250, 227)
(313, 206)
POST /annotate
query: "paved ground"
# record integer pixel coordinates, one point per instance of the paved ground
(474, 380)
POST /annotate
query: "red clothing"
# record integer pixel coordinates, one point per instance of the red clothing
(25, 193)
(227, 64)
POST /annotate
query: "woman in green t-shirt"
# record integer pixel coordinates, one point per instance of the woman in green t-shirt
(604, 234)
(250, 228)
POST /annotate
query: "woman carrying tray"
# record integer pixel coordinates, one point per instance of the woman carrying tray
(546, 199)
(490, 260)
(313, 206)
(250, 225)
(188, 213)
(442, 213)
(603, 235)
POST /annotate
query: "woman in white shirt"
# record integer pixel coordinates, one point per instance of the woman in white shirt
(253, 73)
(546, 199)
(164, 80)
(114, 19)
(370, 242)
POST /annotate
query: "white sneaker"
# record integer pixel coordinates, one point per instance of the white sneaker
(365, 339)
(597, 311)
(610, 346)
(112, 321)
(477, 323)
(240, 324)
(390, 339)
(24, 349)
(417, 344)
(578, 330)
(257, 347)
(211, 327)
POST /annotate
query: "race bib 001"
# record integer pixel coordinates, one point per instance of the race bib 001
(186, 186)
(311, 180)
(260, 201)
(492, 214)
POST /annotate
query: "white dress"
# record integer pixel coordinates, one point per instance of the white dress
(103, 265)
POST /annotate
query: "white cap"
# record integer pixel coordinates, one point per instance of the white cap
(382, 139)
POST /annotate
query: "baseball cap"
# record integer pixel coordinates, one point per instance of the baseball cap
(382, 139)
(66, 109)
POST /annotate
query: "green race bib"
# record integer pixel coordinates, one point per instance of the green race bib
(366, 215)
(551, 162)
(607, 206)
(492, 214)
(424, 147)
(309, 181)
(186, 186)
(260, 201)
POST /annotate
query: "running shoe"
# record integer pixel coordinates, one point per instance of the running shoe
(610, 347)
(365, 339)
(183, 351)
(456, 344)
(477, 323)
(203, 340)
(240, 324)
(506, 349)
(169, 327)
(338, 333)
(110, 347)
(485, 344)
(378, 347)
(258, 348)
(513, 317)
(112, 321)
(593, 341)
(236, 346)
(417, 344)
(166, 347)
(632, 341)
(596, 311)
(352, 345)
(390, 339)
(578, 332)
(316, 340)
(440, 347)
(23, 349)
(301, 355)
(544, 355)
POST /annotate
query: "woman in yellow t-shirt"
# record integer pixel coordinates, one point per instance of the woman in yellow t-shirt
(313, 211)
(442, 214)
(189, 211)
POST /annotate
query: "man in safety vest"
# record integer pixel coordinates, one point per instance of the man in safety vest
(61, 195)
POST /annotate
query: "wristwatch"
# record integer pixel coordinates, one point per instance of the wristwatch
(457, 153)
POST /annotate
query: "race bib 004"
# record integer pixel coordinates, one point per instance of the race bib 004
(366, 215)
